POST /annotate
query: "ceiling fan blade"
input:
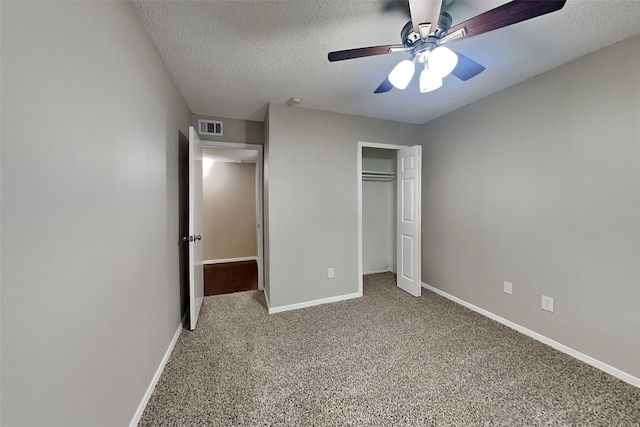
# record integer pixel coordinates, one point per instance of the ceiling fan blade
(425, 11)
(466, 68)
(508, 14)
(385, 86)
(361, 52)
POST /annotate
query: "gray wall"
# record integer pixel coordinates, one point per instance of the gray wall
(312, 209)
(90, 294)
(539, 185)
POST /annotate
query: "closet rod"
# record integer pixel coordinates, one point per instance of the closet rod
(378, 173)
(377, 178)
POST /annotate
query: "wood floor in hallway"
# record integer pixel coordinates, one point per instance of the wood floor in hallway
(229, 277)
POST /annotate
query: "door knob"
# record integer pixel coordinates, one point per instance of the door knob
(198, 237)
(188, 239)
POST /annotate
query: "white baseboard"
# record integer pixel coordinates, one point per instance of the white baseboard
(385, 270)
(156, 377)
(634, 381)
(225, 260)
(305, 304)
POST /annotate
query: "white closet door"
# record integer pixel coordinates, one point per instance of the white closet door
(408, 219)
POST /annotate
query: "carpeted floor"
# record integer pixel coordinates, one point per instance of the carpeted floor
(386, 359)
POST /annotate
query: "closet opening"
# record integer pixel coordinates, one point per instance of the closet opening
(378, 210)
(389, 203)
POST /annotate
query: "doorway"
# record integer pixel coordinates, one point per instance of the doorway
(232, 217)
(389, 179)
(378, 210)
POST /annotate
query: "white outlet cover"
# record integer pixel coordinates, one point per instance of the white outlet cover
(508, 288)
(547, 303)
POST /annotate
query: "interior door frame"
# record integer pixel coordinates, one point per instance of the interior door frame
(361, 145)
(259, 199)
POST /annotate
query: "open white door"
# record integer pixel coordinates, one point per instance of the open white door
(196, 272)
(408, 219)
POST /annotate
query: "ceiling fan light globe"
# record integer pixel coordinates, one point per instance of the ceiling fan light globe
(402, 74)
(442, 61)
(429, 81)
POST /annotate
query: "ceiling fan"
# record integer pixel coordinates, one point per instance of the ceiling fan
(430, 28)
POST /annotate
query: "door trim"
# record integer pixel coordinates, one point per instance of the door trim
(259, 199)
(361, 145)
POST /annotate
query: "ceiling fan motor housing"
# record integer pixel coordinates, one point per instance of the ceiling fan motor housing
(420, 48)
(410, 38)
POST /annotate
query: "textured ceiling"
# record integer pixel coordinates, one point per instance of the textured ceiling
(231, 58)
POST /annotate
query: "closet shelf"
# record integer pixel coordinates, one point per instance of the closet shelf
(378, 176)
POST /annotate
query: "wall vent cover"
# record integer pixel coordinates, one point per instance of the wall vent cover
(210, 127)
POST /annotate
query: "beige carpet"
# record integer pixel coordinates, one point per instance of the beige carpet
(387, 359)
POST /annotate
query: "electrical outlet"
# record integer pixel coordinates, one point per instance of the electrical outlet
(508, 288)
(547, 303)
(331, 273)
